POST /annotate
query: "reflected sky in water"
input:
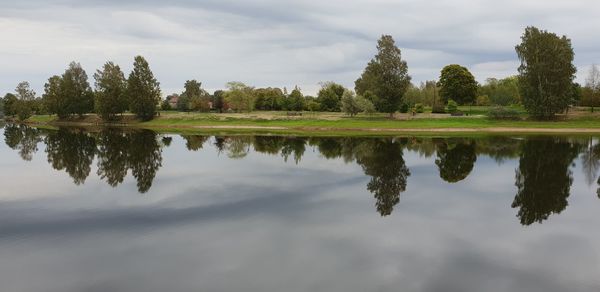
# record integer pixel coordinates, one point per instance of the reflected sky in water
(139, 211)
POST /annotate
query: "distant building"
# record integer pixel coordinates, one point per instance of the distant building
(173, 99)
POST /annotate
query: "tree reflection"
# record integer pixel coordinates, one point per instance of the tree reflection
(194, 142)
(382, 159)
(113, 156)
(543, 178)
(72, 150)
(455, 159)
(22, 138)
(145, 158)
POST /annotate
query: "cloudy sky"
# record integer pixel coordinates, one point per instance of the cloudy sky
(279, 42)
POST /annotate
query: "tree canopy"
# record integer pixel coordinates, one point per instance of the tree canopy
(458, 84)
(111, 89)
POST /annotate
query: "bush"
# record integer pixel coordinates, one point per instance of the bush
(452, 106)
(503, 113)
(404, 108)
(419, 108)
(365, 105)
(483, 100)
(438, 109)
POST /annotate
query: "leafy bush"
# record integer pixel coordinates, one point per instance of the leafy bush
(419, 108)
(452, 106)
(483, 100)
(438, 109)
(365, 105)
(503, 113)
(404, 108)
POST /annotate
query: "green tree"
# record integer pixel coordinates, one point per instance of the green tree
(196, 97)
(330, 96)
(111, 87)
(53, 98)
(385, 77)
(9, 102)
(350, 104)
(546, 72)
(143, 91)
(268, 98)
(219, 100)
(458, 84)
(501, 91)
(296, 100)
(25, 98)
(75, 90)
(239, 96)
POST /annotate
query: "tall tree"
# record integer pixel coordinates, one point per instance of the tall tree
(25, 99)
(386, 77)
(219, 100)
(296, 100)
(143, 91)
(458, 84)
(592, 84)
(193, 97)
(76, 91)
(53, 98)
(546, 72)
(111, 89)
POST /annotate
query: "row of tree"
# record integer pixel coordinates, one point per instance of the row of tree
(70, 94)
(545, 86)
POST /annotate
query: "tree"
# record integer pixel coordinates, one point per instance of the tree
(239, 96)
(53, 98)
(592, 84)
(386, 77)
(268, 98)
(219, 100)
(296, 100)
(143, 91)
(25, 98)
(24, 91)
(75, 90)
(501, 91)
(365, 105)
(546, 72)
(10, 101)
(458, 84)
(193, 97)
(350, 105)
(111, 88)
(329, 96)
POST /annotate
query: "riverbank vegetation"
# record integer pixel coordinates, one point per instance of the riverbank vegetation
(544, 89)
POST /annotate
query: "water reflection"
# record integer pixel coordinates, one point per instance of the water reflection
(543, 176)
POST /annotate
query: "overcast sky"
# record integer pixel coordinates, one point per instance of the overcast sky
(278, 42)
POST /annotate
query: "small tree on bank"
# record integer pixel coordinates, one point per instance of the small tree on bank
(239, 96)
(143, 90)
(349, 103)
(111, 89)
(385, 77)
(546, 72)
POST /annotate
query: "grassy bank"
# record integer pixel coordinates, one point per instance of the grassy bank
(279, 122)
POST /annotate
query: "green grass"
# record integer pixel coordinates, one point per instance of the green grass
(335, 122)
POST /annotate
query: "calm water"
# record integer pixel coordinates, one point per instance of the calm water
(140, 211)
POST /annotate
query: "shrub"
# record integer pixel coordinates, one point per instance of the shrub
(438, 109)
(452, 106)
(419, 108)
(483, 100)
(404, 108)
(365, 105)
(503, 113)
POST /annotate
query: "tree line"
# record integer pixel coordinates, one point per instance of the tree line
(544, 86)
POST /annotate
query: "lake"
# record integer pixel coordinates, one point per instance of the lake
(135, 210)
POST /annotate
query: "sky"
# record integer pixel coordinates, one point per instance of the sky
(279, 43)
